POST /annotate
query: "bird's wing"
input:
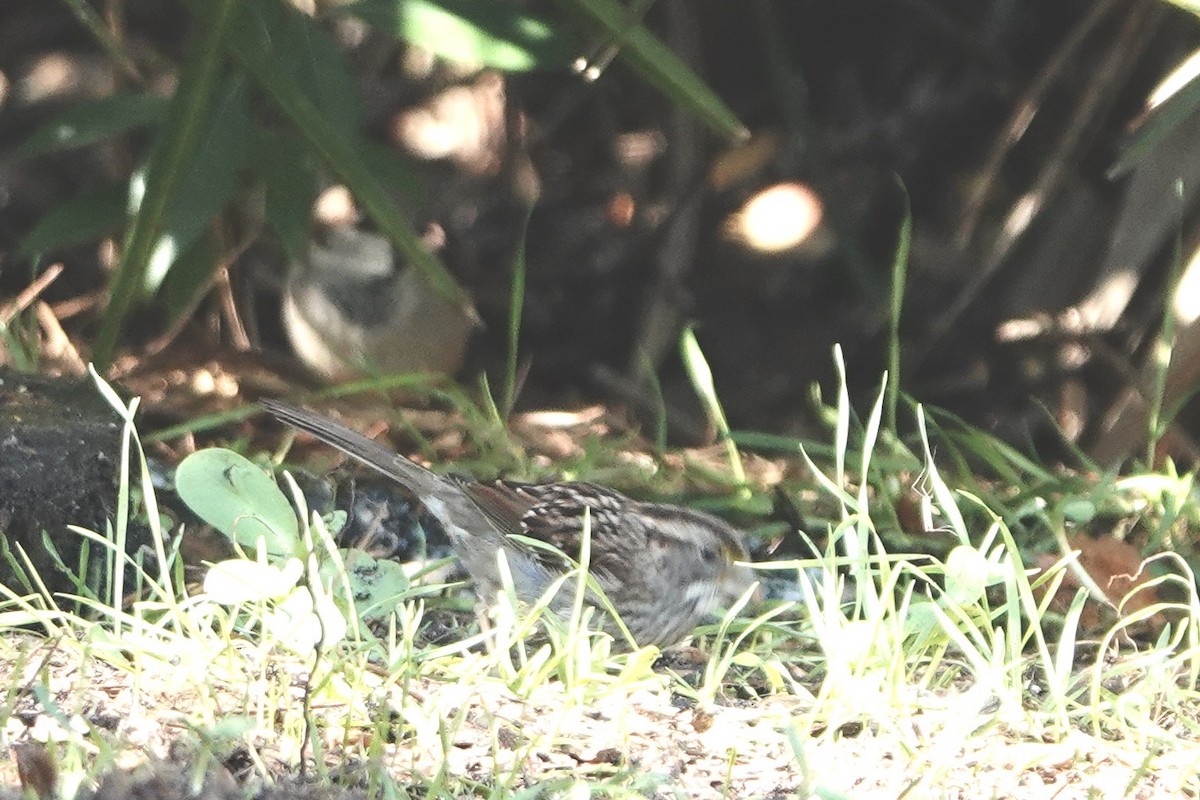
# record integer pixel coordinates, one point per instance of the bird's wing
(550, 512)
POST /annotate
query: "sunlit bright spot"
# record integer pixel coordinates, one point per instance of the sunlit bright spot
(1187, 296)
(621, 209)
(107, 254)
(1179, 77)
(62, 74)
(459, 123)
(205, 382)
(779, 218)
(1022, 329)
(587, 70)
(1022, 214)
(65, 133)
(639, 148)
(1103, 307)
(164, 255)
(563, 419)
(137, 190)
(1073, 356)
(335, 207)
(51, 75)
(1071, 413)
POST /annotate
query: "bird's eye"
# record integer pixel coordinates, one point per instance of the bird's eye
(708, 554)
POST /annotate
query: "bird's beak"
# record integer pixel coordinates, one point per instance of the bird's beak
(737, 579)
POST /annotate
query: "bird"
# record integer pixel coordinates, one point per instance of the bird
(350, 309)
(663, 568)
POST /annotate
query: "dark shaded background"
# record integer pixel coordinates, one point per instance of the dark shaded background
(631, 234)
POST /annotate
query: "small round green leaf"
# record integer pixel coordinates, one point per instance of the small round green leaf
(378, 584)
(1079, 510)
(239, 499)
(967, 574)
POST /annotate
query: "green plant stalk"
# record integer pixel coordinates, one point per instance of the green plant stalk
(133, 445)
(609, 46)
(841, 435)
(899, 279)
(1163, 344)
(516, 304)
(20, 343)
(87, 16)
(575, 626)
(702, 380)
(180, 135)
(659, 404)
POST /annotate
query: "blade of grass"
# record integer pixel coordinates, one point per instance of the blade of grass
(702, 382)
(841, 438)
(658, 65)
(498, 35)
(92, 21)
(91, 121)
(899, 279)
(1155, 423)
(516, 302)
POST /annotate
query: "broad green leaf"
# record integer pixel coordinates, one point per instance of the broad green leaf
(921, 620)
(209, 181)
(188, 279)
(394, 170)
(295, 48)
(92, 121)
(1192, 6)
(301, 621)
(290, 186)
(378, 584)
(86, 217)
(1078, 510)
(239, 499)
(967, 574)
(488, 34)
(1173, 112)
(168, 166)
(338, 148)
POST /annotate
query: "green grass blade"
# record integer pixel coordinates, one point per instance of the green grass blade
(658, 65)
(497, 35)
(90, 122)
(702, 380)
(1156, 422)
(899, 280)
(516, 303)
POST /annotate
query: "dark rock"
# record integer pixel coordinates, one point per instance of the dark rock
(59, 460)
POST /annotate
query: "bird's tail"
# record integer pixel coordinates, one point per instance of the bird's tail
(411, 475)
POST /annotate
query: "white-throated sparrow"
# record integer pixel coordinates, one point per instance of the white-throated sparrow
(664, 568)
(349, 308)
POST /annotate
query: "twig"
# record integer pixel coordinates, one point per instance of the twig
(1024, 111)
(26, 296)
(1100, 93)
(57, 344)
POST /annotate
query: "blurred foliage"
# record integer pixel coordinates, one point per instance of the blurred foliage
(217, 144)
